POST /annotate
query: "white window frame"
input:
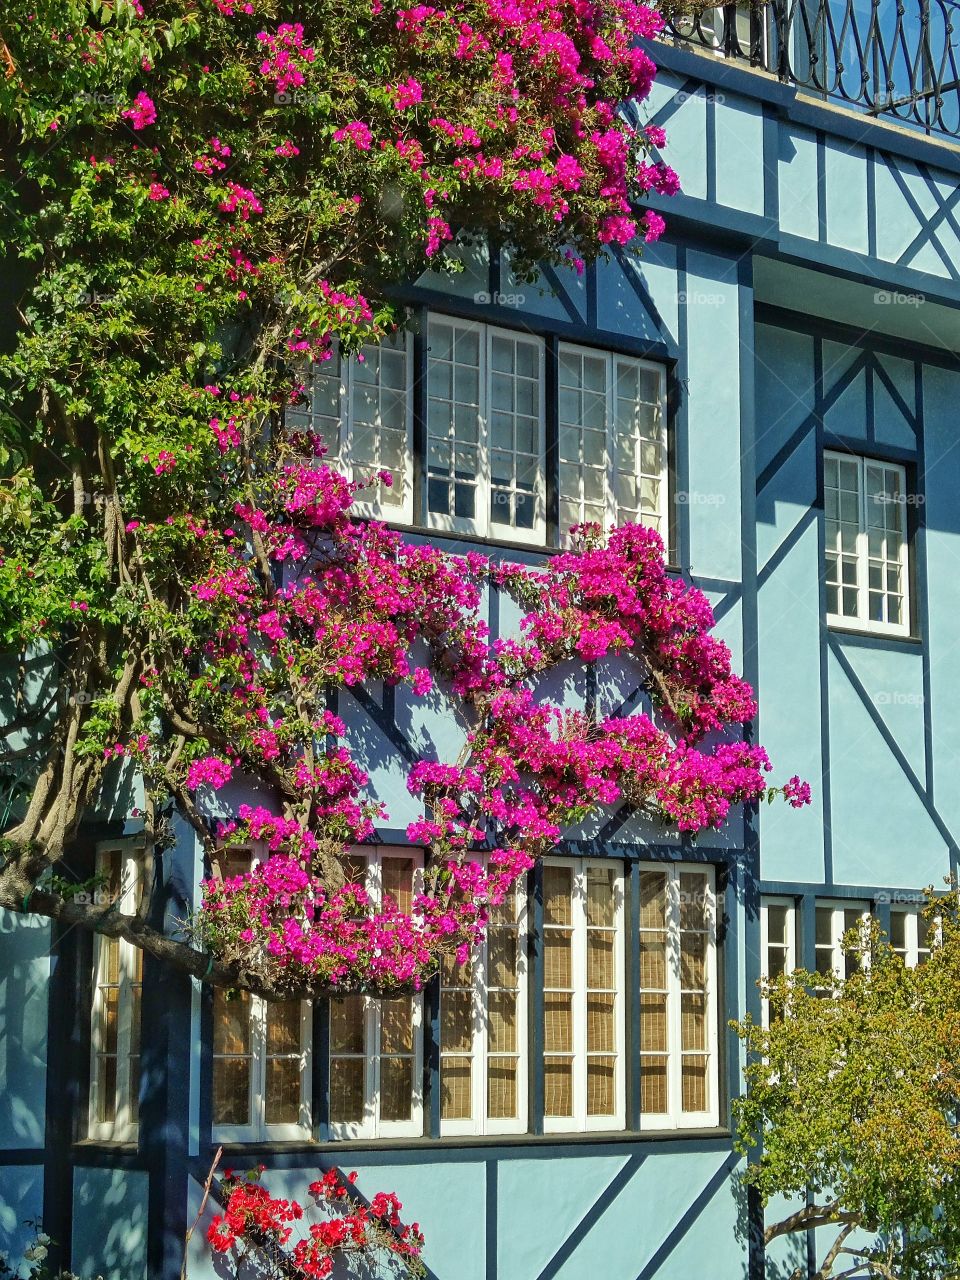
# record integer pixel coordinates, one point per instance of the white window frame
(838, 928)
(372, 1126)
(124, 1126)
(580, 1121)
(911, 952)
(483, 525)
(612, 360)
(790, 960)
(862, 620)
(342, 457)
(256, 1129)
(480, 1123)
(676, 1117)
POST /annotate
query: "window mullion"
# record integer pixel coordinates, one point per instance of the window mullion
(675, 1020)
(612, 473)
(485, 494)
(863, 556)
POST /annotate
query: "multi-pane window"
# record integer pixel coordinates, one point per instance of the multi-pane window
(483, 1030)
(362, 406)
(778, 942)
(778, 936)
(910, 935)
(376, 1043)
(833, 922)
(612, 439)
(866, 543)
(115, 1014)
(261, 1056)
(583, 995)
(485, 430)
(678, 1033)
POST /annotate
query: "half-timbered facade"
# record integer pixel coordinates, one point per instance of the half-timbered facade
(775, 386)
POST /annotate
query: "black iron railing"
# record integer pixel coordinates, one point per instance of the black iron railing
(894, 59)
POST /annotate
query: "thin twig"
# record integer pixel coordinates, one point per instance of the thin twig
(203, 1204)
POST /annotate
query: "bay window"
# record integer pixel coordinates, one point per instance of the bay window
(583, 995)
(866, 544)
(115, 1010)
(612, 438)
(678, 1016)
(261, 1055)
(376, 1043)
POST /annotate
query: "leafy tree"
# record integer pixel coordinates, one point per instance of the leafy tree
(207, 199)
(851, 1106)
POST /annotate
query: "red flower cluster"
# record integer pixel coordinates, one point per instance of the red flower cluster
(253, 1217)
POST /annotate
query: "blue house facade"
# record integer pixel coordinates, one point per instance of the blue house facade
(775, 386)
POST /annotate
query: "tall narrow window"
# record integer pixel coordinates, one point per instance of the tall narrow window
(778, 941)
(261, 1056)
(583, 995)
(485, 431)
(115, 1014)
(613, 449)
(483, 1030)
(362, 406)
(678, 1001)
(866, 544)
(376, 1054)
(833, 922)
(910, 935)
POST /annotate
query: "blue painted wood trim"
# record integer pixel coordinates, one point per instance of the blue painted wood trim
(771, 166)
(788, 103)
(552, 439)
(679, 417)
(728, 956)
(431, 1057)
(320, 1070)
(807, 933)
(540, 326)
(799, 889)
(492, 1217)
(420, 340)
(165, 1064)
(848, 335)
(822, 606)
(64, 1051)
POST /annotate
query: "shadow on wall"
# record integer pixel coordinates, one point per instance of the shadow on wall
(21, 1201)
(24, 972)
(110, 1224)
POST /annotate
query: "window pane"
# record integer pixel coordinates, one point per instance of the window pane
(396, 1089)
(558, 1087)
(346, 1090)
(231, 1091)
(282, 1102)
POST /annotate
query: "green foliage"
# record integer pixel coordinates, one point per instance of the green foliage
(852, 1095)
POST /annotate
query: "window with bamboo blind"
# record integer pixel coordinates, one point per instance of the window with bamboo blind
(376, 1044)
(678, 1016)
(583, 996)
(261, 1055)
(483, 1063)
(115, 1008)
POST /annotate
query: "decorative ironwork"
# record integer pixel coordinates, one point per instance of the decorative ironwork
(894, 59)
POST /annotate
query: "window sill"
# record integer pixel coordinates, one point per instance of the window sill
(483, 1141)
(882, 637)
